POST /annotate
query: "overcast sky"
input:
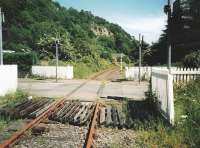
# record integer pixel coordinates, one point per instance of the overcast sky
(135, 16)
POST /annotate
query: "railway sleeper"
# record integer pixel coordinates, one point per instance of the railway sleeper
(114, 116)
(67, 115)
(61, 116)
(109, 121)
(41, 110)
(76, 118)
(71, 116)
(32, 108)
(57, 114)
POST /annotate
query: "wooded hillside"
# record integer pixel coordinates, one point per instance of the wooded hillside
(33, 25)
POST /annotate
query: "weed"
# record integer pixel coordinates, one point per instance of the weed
(13, 98)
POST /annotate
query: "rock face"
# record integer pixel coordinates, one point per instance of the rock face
(101, 31)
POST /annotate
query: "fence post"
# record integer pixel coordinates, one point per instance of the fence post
(170, 98)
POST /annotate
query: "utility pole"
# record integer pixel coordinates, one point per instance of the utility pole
(169, 13)
(140, 56)
(57, 42)
(1, 37)
(121, 67)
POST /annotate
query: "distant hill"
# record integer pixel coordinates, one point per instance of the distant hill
(33, 25)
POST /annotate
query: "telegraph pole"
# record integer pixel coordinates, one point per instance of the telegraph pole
(140, 56)
(121, 66)
(169, 13)
(1, 38)
(57, 42)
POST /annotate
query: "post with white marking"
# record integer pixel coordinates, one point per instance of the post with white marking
(56, 60)
(121, 56)
(140, 63)
(1, 38)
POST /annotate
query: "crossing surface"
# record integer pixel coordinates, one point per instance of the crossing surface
(48, 88)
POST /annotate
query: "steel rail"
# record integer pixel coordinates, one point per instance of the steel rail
(92, 128)
(17, 135)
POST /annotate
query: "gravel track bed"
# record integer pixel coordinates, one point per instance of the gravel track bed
(59, 136)
(115, 138)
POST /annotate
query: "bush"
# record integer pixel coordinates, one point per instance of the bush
(23, 60)
(192, 60)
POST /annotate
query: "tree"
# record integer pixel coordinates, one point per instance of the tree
(46, 44)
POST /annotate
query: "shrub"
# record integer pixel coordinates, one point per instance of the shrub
(192, 60)
(23, 60)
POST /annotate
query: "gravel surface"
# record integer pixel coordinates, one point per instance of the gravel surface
(115, 138)
(59, 136)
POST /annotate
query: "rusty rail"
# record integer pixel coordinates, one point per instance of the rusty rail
(34, 122)
(92, 128)
(17, 135)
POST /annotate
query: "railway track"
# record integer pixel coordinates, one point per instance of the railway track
(54, 109)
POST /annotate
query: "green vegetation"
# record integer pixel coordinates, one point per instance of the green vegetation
(23, 60)
(85, 39)
(186, 132)
(11, 99)
(82, 69)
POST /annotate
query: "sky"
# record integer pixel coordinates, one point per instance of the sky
(134, 16)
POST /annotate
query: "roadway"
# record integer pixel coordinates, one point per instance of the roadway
(106, 81)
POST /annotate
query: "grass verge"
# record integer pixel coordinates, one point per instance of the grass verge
(9, 100)
(186, 132)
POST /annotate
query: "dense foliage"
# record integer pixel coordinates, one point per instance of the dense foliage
(184, 35)
(23, 60)
(34, 25)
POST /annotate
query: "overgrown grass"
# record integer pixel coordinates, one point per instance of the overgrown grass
(9, 100)
(13, 98)
(186, 132)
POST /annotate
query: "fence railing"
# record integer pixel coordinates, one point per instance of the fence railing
(132, 73)
(179, 74)
(184, 75)
(162, 86)
(162, 83)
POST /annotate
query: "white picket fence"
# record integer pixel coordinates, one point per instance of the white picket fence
(132, 73)
(162, 82)
(179, 74)
(184, 75)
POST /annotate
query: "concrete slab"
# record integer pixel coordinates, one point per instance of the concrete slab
(88, 91)
(128, 89)
(49, 88)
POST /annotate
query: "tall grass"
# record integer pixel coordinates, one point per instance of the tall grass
(8, 101)
(12, 98)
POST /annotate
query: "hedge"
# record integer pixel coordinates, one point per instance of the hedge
(23, 60)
